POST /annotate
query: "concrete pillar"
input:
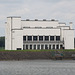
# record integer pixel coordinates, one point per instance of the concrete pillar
(59, 46)
(38, 38)
(28, 46)
(55, 46)
(55, 38)
(43, 37)
(36, 46)
(48, 46)
(40, 46)
(32, 46)
(51, 46)
(32, 37)
(26, 37)
(49, 37)
(44, 46)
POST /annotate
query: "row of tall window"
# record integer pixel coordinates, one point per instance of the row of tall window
(43, 46)
(41, 38)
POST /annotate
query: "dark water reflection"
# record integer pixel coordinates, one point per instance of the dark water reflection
(38, 67)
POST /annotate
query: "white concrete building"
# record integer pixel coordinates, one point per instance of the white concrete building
(37, 34)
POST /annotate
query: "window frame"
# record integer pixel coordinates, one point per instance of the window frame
(40, 39)
(28, 38)
(35, 39)
(51, 38)
(46, 38)
(57, 38)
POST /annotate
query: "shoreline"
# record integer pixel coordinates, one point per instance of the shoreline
(40, 55)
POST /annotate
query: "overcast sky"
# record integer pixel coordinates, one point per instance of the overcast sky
(62, 10)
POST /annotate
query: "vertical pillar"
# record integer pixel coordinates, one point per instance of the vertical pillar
(38, 37)
(32, 37)
(36, 46)
(44, 46)
(40, 46)
(32, 46)
(28, 46)
(55, 46)
(51, 46)
(44, 38)
(59, 46)
(26, 38)
(49, 37)
(55, 38)
(48, 46)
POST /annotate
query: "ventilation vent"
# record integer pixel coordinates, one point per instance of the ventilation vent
(27, 20)
(36, 19)
(44, 19)
(52, 19)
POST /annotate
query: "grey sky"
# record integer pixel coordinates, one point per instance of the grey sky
(62, 10)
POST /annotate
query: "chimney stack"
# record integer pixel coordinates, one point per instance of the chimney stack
(71, 24)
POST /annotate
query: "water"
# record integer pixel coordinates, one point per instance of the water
(38, 67)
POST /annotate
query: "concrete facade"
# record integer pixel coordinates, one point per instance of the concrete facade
(37, 34)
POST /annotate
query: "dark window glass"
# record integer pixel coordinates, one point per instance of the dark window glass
(19, 49)
(26, 46)
(53, 46)
(51, 38)
(57, 46)
(61, 46)
(24, 38)
(49, 46)
(38, 46)
(29, 38)
(23, 47)
(30, 46)
(40, 38)
(34, 46)
(57, 38)
(46, 38)
(34, 38)
(42, 46)
(46, 46)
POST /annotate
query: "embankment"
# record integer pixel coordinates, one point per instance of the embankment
(23, 55)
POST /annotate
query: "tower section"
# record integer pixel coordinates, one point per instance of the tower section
(13, 33)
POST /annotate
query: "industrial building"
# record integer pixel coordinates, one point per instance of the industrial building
(37, 34)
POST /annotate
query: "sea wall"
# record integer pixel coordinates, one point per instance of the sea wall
(28, 55)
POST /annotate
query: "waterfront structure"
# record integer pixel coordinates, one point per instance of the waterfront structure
(37, 34)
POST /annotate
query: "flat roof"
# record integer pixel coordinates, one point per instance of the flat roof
(14, 17)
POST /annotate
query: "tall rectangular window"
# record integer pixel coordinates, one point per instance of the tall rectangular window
(53, 46)
(51, 38)
(34, 46)
(38, 46)
(49, 46)
(57, 38)
(46, 38)
(26, 46)
(40, 38)
(42, 46)
(29, 38)
(24, 38)
(34, 38)
(30, 46)
(46, 46)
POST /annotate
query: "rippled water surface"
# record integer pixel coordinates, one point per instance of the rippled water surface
(38, 67)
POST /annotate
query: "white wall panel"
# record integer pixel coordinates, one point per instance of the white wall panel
(40, 23)
(41, 32)
(69, 39)
(16, 23)
(17, 39)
